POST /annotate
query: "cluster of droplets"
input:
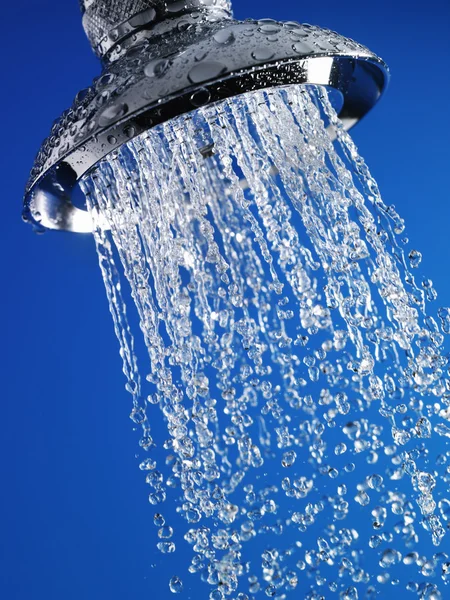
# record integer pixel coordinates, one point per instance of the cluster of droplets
(300, 382)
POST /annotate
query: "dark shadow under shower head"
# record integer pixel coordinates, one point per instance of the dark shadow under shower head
(162, 59)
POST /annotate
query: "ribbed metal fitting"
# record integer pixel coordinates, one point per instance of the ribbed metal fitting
(108, 22)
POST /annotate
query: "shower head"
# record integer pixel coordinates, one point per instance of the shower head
(164, 58)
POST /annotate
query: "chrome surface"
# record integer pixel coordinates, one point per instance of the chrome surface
(108, 22)
(176, 65)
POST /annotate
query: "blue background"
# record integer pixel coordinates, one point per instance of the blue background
(75, 520)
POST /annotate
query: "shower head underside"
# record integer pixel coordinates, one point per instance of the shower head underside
(165, 58)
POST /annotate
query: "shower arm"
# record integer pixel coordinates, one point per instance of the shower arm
(164, 58)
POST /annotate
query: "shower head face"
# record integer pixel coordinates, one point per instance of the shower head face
(180, 64)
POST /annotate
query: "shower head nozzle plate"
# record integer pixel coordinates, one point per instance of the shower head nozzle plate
(173, 68)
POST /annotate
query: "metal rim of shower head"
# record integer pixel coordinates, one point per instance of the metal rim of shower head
(161, 67)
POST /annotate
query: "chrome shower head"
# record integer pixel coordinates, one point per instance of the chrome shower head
(164, 58)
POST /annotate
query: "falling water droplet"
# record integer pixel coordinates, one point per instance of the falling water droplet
(351, 593)
(444, 507)
(415, 258)
(176, 585)
(159, 520)
(165, 532)
(375, 482)
(340, 449)
(288, 458)
(166, 547)
(389, 558)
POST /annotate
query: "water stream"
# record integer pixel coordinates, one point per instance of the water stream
(294, 402)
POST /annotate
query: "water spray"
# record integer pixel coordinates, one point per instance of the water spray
(292, 397)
